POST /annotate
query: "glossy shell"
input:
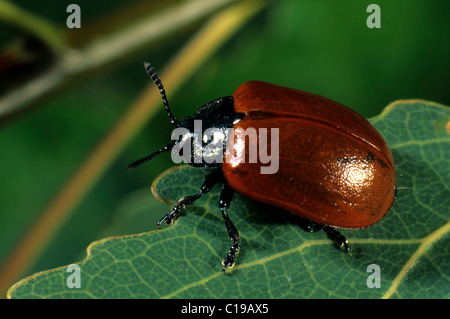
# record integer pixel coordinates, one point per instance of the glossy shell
(334, 167)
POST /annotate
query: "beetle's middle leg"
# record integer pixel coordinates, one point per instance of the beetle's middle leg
(226, 195)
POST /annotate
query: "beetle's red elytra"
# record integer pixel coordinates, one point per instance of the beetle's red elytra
(334, 168)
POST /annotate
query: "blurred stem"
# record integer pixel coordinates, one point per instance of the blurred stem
(102, 50)
(218, 30)
(33, 25)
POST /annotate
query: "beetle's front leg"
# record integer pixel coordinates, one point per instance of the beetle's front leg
(176, 210)
(210, 180)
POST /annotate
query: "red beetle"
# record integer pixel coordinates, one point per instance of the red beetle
(333, 169)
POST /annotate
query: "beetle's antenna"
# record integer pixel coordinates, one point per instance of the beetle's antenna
(149, 157)
(151, 71)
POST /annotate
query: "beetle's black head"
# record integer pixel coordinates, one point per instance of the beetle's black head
(199, 140)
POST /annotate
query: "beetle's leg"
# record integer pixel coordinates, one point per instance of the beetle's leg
(332, 233)
(226, 196)
(210, 180)
(308, 225)
(338, 238)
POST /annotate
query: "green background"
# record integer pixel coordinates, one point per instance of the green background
(322, 46)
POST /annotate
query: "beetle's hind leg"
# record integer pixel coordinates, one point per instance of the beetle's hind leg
(210, 180)
(331, 232)
(226, 196)
(338, 238)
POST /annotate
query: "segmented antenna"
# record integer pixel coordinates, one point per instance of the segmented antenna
(149, 157)
(151, 71)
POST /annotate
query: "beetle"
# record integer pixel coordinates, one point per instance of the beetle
(335, 170)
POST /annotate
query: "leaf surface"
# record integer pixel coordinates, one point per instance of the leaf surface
(278, 259)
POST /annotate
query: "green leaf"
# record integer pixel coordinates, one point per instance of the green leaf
(277, 259)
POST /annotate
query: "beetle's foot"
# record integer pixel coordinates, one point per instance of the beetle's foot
(170, 217)
(229, 260)
(343, 242)
(338, 238)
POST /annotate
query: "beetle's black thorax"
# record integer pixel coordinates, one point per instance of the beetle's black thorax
(207, 133)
